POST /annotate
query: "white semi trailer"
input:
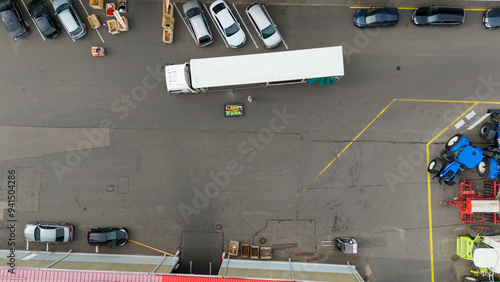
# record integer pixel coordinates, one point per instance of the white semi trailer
(256, 70)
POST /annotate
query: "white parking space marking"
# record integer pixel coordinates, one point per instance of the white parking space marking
(245, 26)
(98, 33)
(213, 21)
(39, 31)
(185, 23)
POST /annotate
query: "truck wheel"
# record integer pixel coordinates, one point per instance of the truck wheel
(468, 278)
(480, 230)
(455, 139)
(488, 131)
(454, 180)
(483, 168)
(435, 165)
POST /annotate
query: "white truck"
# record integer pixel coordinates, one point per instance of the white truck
(256, 70)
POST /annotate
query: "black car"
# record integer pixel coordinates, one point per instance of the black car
(376, 17)
(40, 15)
(491, 19)
(438, 16)
(107, 236)
(12, 18)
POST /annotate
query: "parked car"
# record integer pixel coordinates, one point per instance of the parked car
(438, 16)
(69, 18)
(40, 15)
(197, 23)
(376, 17)
(49, 232)
(227, 24)
(107, 236)
(491, 19)
(264, 25)
(13, 19)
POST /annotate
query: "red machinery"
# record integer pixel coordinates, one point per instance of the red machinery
(476, 206)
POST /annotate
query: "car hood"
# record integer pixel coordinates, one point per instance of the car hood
(57, 3)
(492, 18)
(29, 233)
(237, 39)
(11, 22)
(359, 18)
(273, 40)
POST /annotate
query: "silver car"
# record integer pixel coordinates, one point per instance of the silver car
(69, 18)
(49, 232)
(263, 24)
(197, 23)
(227, 24)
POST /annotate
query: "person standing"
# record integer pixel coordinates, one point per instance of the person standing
(249, 99)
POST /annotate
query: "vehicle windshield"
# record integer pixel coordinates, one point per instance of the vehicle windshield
(193, 12)
(370, 12)
(218, 8)
(205, 39)
(62, 8)
(60, 235)
(268, 31)
(232, 29)
(37, 234)
(76, 31)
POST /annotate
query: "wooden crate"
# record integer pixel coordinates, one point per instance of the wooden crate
(234, 247)
(110, 8)
(168, 8)
(168, 35)
(97, 4)
(265, 253)
(118, 5)
(123, 28)
(113, 27)
(245, 250)
(94, 21)
(254, 252)
(168, 21)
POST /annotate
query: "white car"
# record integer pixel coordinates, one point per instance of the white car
(49, 232)
(263, 25)
(69, 18)
(227, 24)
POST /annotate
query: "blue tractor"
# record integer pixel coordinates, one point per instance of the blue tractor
(458, 155)
(489, 167)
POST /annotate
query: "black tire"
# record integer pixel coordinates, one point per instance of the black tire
(435, 166)
(468, 278)
(454, 180)
(447, 155)
(488, 131)
(455, 139)
(483, 168)
(480, 230)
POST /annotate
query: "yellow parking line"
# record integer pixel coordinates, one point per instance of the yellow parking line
(449, 101)
(336, 157)
(429, 184)
(168, 254)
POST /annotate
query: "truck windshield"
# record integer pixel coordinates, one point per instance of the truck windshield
(187, 75)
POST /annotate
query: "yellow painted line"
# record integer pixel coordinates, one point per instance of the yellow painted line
(336, 157)
(168, 254)
(429, 184)
(408, 8)
(448, 101)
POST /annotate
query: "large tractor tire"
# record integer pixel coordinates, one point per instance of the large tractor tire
(481, 230)
(483, 168)
(454, 180)
(468, 278)
(488, 131)
(454, 140)
(435, 166)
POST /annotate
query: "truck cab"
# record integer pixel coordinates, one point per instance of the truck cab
(178, 79)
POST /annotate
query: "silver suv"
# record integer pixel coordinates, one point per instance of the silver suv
(69, 18)
(197, 23)
(263, 25)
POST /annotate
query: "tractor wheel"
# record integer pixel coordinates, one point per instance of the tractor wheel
(435, 165)
(480, 230)
(468, 278)
(447, 155)
(454, 180)
(483, 168)
(455, 139)
(488, 131)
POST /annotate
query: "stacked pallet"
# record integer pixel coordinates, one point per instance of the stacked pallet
(167, 22)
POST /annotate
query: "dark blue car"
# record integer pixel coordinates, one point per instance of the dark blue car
(376, 17)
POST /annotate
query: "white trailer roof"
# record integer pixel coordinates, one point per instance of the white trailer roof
(267, 67)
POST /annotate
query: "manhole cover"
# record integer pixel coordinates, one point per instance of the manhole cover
(262, 240)
(218, 227)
